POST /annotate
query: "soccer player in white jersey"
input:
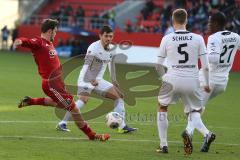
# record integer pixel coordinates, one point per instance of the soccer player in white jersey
(222, 47)
(182, 49)
(99, 55)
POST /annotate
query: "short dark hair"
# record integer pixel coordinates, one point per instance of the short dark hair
(219, 18)
(49, 24)
(106, 29)
(180, 16)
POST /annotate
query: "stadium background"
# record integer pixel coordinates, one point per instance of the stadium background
(131, 19)
(30, 133)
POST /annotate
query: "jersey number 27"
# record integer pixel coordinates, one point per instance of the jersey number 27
(225, 50)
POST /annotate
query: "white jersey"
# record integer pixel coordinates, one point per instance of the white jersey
(96, 61)
(222, 47)
(182, 49)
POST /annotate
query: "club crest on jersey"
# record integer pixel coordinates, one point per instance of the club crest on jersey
(52, 53)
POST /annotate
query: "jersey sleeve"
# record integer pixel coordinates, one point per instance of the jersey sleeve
(213, 49)
(202, 48)
(202, 52)
(88, 60)
(162, 54)
(204, 60)
(238, 42)
(111, 66)
(33, 43)
(91, 53)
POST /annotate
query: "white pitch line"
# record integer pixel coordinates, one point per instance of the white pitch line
(147, 123)
(112, 139)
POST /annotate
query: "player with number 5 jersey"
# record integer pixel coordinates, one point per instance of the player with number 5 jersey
(182, 49)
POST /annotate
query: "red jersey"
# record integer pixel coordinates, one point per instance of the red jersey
(45, 56)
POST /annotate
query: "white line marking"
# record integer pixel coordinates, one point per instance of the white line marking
(112, 139)
(148, 123)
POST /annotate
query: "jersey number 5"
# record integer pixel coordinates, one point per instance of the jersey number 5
(180, 51)
(225, 49)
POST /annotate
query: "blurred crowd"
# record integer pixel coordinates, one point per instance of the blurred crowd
(71, 47)
(7, 36)
(157, 19)
(70, 17)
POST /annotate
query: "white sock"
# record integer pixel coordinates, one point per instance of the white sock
(162, 123)
(198, 124)
(119, 108)
(79, 103)
(68, 115)
(190, 126)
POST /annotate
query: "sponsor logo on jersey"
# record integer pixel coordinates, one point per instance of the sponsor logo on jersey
(102, 61)
(224, 65)
(52, 53)
(183, 66)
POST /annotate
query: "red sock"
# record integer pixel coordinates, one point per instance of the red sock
(37, 101)
(88, 131)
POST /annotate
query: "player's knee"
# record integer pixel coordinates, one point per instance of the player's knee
(74, 109)
(83, 98)
(112, 94)
(162, 108)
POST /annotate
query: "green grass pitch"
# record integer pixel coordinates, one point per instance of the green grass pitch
(30, 133)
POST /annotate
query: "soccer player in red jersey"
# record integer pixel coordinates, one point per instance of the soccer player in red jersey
(50, 70)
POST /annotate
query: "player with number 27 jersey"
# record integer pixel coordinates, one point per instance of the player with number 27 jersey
(222, 48)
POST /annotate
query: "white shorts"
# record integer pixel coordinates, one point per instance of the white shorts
(186, 89)
(216, 89)
(102, 87)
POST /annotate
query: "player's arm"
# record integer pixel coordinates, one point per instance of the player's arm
(161, 70)
(205, 65)
(88, 61)
(33, 43)
(112, 70)
(238, 42)
(213, 50)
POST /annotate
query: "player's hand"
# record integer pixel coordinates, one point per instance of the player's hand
(94, 82)
(207, 89)
(17, 43)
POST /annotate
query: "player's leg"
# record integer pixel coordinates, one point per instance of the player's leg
(217, 90)
(192, 100)
(166, 96)
(162, 124)
(82, 100)
(83, 126)
(65, 101)
(107, 90)
(43, 101)
(84, 91)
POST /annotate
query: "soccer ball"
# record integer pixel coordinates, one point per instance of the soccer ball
(113, 120)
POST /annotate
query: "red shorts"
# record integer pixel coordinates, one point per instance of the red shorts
(55, 89)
